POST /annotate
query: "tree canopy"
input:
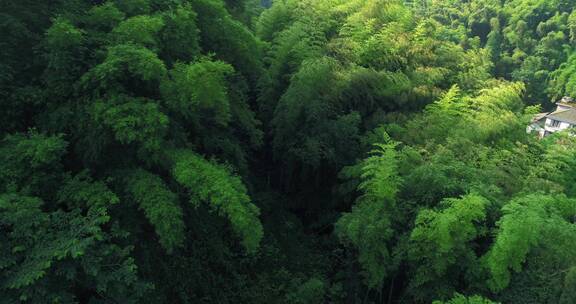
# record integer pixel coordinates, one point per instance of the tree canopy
(285, 151)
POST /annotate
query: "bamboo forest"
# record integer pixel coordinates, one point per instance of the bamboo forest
(288, 151)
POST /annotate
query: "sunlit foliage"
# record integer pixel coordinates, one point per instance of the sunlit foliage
(286, 151)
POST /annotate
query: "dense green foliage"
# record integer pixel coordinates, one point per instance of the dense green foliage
(286, 151)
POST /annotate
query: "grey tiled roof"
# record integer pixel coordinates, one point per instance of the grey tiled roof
(568, 116)
(539, 116)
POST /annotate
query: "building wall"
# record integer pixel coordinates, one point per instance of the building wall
(562, 126)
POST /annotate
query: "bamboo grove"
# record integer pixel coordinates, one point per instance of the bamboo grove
(286, 151)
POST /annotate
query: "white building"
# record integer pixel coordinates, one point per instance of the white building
(563, 118)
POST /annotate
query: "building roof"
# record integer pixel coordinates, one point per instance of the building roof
(568, 115)
(539, 116)
(566, 104)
